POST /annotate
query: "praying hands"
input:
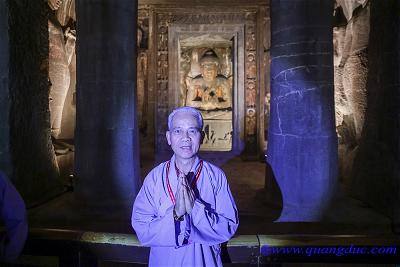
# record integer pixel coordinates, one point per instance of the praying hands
(185, 197)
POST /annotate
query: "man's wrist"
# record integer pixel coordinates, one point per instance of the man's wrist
(176, 217)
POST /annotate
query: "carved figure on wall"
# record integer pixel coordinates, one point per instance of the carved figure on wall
(143, 33)
(251, 121)
(141, 80)
(142, 90)
(350, 41)
(185, 63)
(209, 135)
(139, 37)
(162, 42)
(352, 60)
(61, 49)
(163, 38)
(342, 108)
(162, 67)
(251, 39)
(217, 134)
(251, 92)
(209, 90)
(251, 70)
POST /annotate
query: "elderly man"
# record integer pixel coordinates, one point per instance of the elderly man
(185, 208)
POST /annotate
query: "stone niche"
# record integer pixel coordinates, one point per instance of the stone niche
(219, 99)
(179, 38)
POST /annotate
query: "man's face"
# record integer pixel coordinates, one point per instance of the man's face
(209, 70)
(184, 136)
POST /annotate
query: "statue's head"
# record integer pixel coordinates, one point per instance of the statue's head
(209, 63)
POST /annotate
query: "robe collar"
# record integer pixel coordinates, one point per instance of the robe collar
(173, 178)
(192, 170)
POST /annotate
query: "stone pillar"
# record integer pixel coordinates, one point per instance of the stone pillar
(302, 142)
(106, 137)
(5, 159)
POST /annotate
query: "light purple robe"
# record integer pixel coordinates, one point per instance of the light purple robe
(195, 241)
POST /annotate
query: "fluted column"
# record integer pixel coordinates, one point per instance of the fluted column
(106, 138)
(302, 142)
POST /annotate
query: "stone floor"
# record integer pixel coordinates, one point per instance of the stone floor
(258, 206)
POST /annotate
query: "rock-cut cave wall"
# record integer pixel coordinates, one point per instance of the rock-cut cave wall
(34, 168)
(367, 100)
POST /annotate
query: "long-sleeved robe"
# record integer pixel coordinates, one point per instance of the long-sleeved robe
(196, 240)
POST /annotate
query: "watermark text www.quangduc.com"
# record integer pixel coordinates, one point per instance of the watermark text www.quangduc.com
(329, 250)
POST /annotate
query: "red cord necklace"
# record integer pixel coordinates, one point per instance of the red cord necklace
(171, 194)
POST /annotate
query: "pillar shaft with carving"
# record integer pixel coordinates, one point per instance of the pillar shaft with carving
(302, 142)
(106, 137)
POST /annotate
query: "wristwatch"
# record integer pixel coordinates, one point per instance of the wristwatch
(176, 218)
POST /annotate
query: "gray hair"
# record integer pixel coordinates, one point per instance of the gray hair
(190, 110)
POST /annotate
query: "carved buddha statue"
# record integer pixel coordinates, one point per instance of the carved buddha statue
(209, 90)
(61, 49)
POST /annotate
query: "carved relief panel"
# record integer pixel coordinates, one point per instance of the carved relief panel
(206, 84)
(251, 89)
(62, 36)
(142, 69)
(182, 39)
(204, 62)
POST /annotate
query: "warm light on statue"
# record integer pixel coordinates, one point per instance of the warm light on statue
(61, 49)
(209, 90)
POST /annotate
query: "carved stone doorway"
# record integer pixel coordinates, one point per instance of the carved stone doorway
(221, 101)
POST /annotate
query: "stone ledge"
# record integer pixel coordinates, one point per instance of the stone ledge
(242, 249)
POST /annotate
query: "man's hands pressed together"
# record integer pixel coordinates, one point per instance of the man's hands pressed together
(185, 196)
(180, 208)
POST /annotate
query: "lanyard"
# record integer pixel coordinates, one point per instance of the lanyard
(171, 194)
